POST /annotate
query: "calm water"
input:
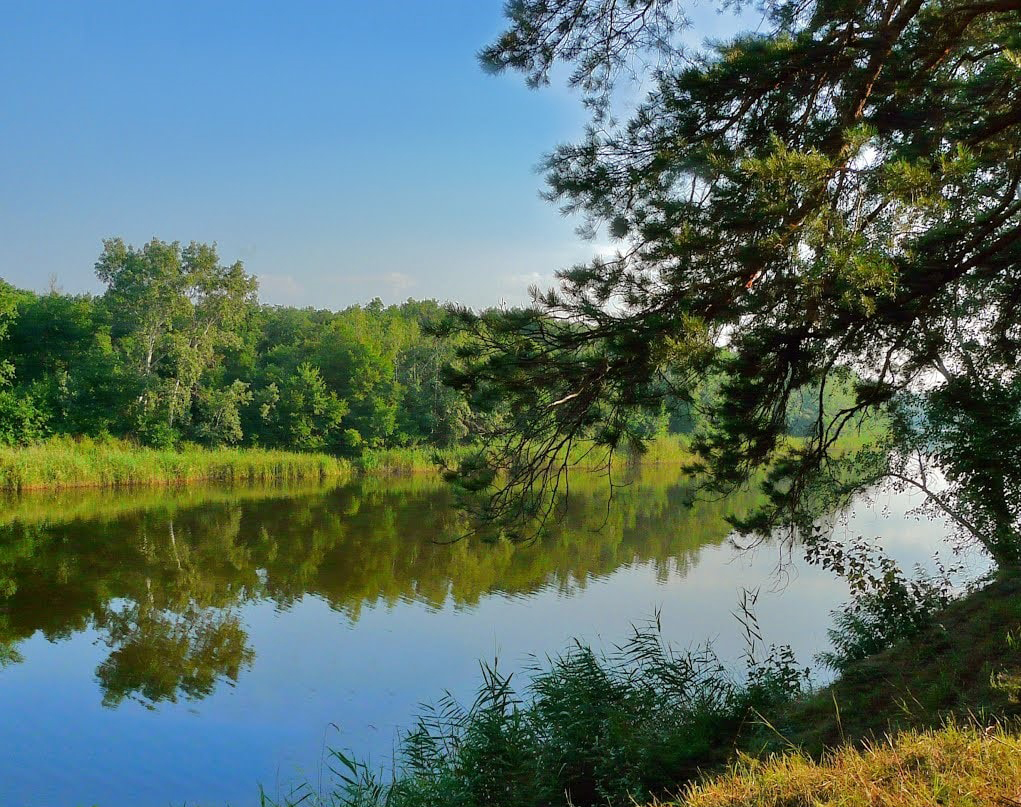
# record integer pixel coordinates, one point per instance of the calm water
(169, 647)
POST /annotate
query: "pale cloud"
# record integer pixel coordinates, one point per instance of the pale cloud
(280, 289)
(527, 279)
(398, 282)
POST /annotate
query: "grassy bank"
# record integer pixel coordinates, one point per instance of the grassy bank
(966, 665)
(951, 766)
(68, 463)
(672, 449)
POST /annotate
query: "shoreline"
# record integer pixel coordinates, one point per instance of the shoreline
(64, 463)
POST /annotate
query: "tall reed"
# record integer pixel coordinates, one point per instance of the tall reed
(63, 462)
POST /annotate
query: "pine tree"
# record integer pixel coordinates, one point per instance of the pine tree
(836, 194)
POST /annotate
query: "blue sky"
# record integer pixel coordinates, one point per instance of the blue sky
(342, 150)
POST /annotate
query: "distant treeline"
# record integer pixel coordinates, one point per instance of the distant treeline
(179, 349)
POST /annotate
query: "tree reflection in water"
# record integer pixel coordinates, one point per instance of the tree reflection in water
(162, 575)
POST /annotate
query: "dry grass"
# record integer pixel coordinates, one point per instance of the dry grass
(953, 766)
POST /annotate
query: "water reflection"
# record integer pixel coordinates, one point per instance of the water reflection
(160, 576)
(204, 641)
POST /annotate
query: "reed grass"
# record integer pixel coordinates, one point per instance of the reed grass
(591, 728)
(62, 462)
(83, 462)
(409, 460)
(670, 449)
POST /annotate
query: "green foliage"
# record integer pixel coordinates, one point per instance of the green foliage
(219, 414)
(302, 412)
(174, 310)
(22, 420)
(177, 349)
(107, 462)
(970, 427)
(887, 607)
(833, 197)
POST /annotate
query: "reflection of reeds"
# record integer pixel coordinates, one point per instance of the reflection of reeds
(61, 506)
(66, 462)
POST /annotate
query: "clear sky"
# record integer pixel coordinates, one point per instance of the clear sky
(342, 150)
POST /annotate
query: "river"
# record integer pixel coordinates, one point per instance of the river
(177, 647)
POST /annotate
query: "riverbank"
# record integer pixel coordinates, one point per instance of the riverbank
(63, 462)
(951, 766)
(60, 463)
(932, 720)
(965, 666)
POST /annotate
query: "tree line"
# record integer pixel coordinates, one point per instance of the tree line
(179, 348)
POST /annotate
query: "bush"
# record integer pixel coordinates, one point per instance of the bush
(886, 607)
(22, 420)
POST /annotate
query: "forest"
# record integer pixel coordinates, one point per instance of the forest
(179, 350)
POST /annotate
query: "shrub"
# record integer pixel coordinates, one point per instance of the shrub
(886, 607)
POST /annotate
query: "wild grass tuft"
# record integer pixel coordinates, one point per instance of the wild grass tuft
(590, 728)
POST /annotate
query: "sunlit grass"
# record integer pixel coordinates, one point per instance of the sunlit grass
(63, 462)
(408, 460)
(952, 766)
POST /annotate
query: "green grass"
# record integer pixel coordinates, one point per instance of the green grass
(71, 463)
(408, 460)
(63, 462)
(667, 450)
